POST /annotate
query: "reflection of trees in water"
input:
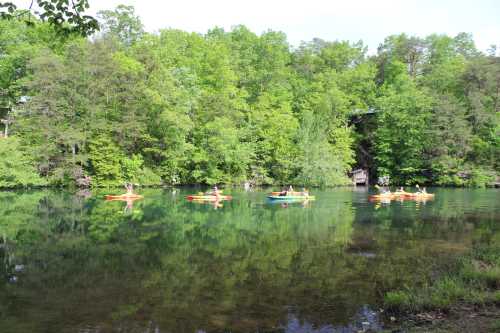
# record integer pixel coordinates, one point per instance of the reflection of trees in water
(185, 267)
(170, 256)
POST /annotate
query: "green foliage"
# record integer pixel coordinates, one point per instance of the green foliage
(220, 157)
(397, 299)
(131, 167)
(16, 165)
(475, 280)
(121, 23)
(111, 167)
(65, 18)
(401, 137)
(320, 163)
(455, 126)
(106, 161)
(148, 177)
(480, 177)
(233, 106)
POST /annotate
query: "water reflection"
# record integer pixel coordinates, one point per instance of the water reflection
(212, 203)
(129, 204)
(168, 265)
(365, 320)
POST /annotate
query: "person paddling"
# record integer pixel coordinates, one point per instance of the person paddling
(130, 188)
(216, 192)
(382, 190)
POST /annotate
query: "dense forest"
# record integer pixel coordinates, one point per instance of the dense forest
(226, 107)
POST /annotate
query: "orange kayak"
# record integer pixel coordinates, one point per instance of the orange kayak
(123, 197)
(388, 196)
(401, 196)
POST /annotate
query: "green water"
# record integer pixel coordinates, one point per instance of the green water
(76, 263)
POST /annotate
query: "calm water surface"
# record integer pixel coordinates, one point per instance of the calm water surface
(73, 263)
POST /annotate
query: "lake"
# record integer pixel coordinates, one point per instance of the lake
(76, 263)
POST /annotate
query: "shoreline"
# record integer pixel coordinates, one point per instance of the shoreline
(67, 187)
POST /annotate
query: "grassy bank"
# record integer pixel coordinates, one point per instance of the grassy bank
(467, 295)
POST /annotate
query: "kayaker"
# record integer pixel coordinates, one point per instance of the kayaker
(130, 188)
(401, 189)
(216, 192)
(283, 192)
(382, 190)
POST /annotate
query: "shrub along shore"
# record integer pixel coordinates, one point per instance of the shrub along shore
(465, 297)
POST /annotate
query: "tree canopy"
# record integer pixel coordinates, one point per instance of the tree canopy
(63, 16)
(232, 106)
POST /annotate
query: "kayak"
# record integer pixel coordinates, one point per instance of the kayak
(294, 193)
(421, 195)
(290, 197)
(124, 197)
(208, 197)
(401, 196)
(387, 196)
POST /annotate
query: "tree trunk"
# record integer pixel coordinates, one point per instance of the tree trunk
(73, 152)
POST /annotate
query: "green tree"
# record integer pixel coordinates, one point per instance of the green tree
(66, 18)
(105, 160)
(319, 162)
(122, 23)
(401, 137)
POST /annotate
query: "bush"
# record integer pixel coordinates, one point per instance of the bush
(17, 168)
(105, 158)
(476, 281)
(481, 178)
(147, 177)
(132, 167)
(496, 297)
(398, 300)
(445, 292)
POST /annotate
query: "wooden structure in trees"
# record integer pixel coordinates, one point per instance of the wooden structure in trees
(360, 177)
(362, 112)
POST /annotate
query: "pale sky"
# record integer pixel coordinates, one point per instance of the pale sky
(368, 20)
